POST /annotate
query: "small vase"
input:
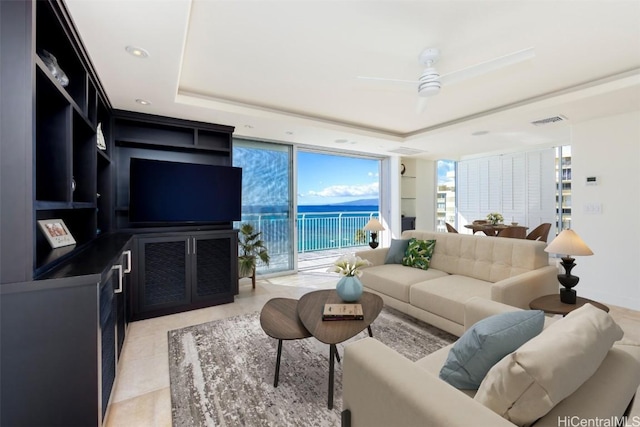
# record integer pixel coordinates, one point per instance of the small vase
(349, 288)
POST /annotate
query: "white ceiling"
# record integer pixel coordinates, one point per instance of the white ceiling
(287, 70)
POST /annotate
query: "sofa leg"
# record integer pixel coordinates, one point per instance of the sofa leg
(346, 418)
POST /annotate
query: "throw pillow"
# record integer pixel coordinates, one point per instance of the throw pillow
(418, 253)
(396, 251)
(485, 343)
(529, 382)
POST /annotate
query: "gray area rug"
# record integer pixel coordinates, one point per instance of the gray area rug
(221, 372)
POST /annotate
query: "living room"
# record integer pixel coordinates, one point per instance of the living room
(590, 77)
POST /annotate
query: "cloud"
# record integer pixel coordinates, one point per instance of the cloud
(368, 190)
(373, 174)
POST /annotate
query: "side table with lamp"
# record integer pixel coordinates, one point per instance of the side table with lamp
(568, 243)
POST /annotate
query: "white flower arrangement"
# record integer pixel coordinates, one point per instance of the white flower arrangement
(349, 265)
(495, 218)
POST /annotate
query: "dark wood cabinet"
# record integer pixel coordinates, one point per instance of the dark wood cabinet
(179, 272)
(61, 339)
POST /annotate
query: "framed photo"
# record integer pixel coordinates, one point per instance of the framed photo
(56, 232)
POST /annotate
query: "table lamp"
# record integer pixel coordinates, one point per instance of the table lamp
(568, 243)
(374, 226)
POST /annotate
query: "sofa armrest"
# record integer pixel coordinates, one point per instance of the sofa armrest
(478, 308)
(520, 290)
(374, 256)
(383, 388)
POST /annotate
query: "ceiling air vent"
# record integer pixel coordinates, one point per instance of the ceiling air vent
(549, 120)
(406, 151)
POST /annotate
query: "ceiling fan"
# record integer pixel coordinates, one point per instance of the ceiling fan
(430, 81)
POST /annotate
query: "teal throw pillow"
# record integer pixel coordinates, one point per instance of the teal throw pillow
(486, 343)
(396, 251)
(419, 253)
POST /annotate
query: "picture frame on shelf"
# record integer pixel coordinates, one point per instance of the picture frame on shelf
(56, 232)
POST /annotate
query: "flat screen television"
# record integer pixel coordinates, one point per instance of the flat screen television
(162, 192)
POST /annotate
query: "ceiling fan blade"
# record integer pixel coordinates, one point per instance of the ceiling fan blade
(382, 79)
(487, 66)
(421, 105)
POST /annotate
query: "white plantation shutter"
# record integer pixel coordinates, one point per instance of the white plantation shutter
(521, 186)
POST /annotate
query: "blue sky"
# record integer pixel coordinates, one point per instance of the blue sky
(327, 179)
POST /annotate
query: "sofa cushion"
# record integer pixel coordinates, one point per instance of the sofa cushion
(419, 253)
(528, 383)
(396, 251)
(485, 343)
(446, 296)
(395, 280)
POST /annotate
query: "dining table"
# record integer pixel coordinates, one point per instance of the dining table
(493, 229)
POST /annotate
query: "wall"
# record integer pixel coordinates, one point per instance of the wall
(609, 149)
(425, 195)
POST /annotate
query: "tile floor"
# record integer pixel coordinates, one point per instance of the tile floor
(141, 396)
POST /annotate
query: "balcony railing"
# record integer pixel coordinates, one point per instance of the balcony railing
(317, 231)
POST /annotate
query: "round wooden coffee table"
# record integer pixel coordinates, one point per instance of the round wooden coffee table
(552, 304)
(333, 332)
(279, 319)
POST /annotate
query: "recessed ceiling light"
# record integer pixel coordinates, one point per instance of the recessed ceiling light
(289, 132)
(248, 126)
(480, 132)
(341, 141)
(138, 52)
(143, 101)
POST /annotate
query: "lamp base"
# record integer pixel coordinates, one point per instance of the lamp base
(568, 296)
(374, 240)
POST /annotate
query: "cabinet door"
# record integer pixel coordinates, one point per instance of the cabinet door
(162, 273)
(107, 337)
(212, 273)
(122, 298)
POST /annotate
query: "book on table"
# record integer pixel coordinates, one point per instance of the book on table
(342, 312)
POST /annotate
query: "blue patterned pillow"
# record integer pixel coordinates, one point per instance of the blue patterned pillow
(419, 253)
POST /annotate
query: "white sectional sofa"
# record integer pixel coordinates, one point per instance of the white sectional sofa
(383, 388)
(510, 271)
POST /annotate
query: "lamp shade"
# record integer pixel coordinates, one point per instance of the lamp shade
(374, 225)
(568, 243)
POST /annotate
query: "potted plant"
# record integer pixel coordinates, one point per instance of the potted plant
(251, 248)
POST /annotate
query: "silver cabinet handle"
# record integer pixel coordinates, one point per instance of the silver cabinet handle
(119, 268)
(194, 245)
(128, 254)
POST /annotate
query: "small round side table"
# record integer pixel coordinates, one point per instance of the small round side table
(552, 304)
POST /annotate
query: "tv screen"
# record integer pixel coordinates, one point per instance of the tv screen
(172, 192)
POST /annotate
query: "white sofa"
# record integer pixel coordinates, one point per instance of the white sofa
(510, 271)
(383, 388)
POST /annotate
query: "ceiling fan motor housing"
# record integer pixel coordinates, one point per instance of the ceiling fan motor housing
(429, 82)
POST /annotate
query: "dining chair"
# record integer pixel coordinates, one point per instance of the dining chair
(540, 233)
(450, 228)
(513, 232)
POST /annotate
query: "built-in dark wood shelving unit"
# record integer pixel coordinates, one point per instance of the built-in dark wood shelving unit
(64, 311)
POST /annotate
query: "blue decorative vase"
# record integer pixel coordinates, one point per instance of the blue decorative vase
(349, 288)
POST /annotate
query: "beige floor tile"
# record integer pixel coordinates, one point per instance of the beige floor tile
(141, 376)
(150, 409)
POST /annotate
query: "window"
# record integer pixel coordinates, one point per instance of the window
(446, 194)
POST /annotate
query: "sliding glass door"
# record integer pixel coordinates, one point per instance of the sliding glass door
(267, 173)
